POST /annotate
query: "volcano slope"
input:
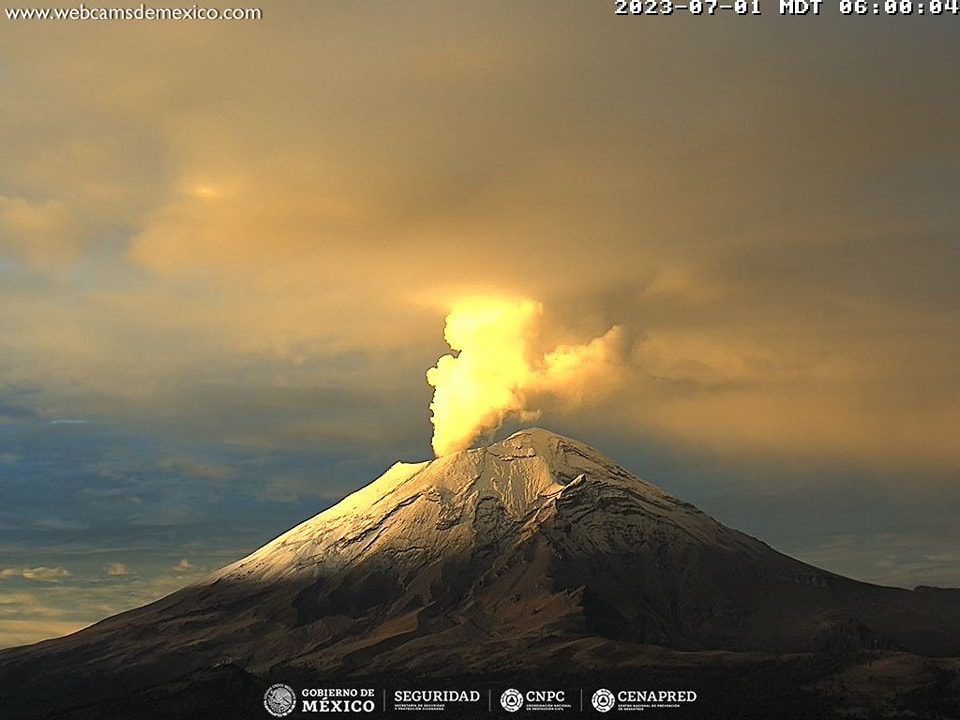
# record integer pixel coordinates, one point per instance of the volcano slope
(533, 557)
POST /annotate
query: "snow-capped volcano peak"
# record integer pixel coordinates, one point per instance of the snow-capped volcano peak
(417, 512)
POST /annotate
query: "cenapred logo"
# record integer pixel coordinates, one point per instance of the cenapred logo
(603, 700)
(280, 700)
(511, 700)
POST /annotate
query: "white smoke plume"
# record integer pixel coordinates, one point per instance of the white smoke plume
(501, 370)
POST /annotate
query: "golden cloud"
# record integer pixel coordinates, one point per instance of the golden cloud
(286, 231)
(42, 573)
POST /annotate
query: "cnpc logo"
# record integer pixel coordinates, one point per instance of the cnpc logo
(511, 700)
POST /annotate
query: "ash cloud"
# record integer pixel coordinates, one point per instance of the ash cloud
(506, 366)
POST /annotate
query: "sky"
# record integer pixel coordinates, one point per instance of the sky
(227, 251)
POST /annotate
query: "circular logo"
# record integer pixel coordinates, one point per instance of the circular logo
(280, 700)
(511, 700)
(603, 700)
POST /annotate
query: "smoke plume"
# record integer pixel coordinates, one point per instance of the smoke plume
(504, 366)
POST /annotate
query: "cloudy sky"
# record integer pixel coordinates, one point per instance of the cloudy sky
(227, 251)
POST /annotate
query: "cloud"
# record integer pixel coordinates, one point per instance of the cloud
(196, 468)
(901, 558)
(117, 569)
(17, 598)
(200, 276)
(42, 574)
(185, 566)
(497, 372)
(300, 488)
(37, 229)
(66, 607)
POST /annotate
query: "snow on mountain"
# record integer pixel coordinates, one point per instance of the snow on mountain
(421, 511)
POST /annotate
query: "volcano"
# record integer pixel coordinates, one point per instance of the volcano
(536, 555)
